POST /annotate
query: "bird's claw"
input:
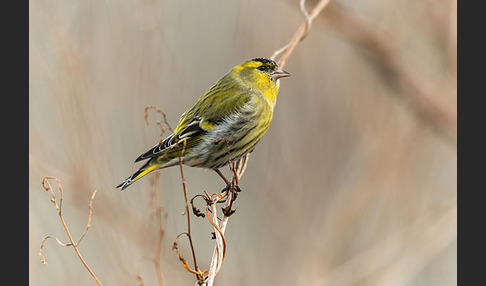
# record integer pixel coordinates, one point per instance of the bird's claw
(231, 186)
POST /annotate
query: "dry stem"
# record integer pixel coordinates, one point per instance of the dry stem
(47, 186)
(199, 274)
(197, 271)
(162, 129)
(301, 32)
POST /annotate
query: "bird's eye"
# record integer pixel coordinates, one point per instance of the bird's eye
(262, 68)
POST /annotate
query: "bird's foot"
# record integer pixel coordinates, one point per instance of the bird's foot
(234, 189)
(231, 187)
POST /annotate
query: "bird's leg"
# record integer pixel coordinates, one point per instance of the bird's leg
(222, 176)
(229, 185)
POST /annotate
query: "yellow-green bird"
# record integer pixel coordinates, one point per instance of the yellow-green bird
(238, 107)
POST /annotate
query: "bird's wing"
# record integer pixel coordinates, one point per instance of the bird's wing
(224, 98)
(191, 134)
(219, 102)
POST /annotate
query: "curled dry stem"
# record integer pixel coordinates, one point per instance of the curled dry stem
(175, 246)
(195, 210)
(160, 123)
(47, 186)
(221, 240)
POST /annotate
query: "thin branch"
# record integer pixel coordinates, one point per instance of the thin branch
(47, 186)
(222, 240)
(241, 166)
(301, 32)
(175, 246)
(199, 274)
(160, 123)
(88, 225)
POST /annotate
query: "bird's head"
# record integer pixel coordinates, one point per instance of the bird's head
(260, 74)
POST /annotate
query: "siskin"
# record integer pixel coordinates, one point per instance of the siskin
(238, 107)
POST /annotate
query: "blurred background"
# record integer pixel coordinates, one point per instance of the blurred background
(355, 182)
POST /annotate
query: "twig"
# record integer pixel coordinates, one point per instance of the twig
(301, 32)
(222, 240)
(162, 129)
(199, 274)
(47, 186)
(241, 166)
(197, 271)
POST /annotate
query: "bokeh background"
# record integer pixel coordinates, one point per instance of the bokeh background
(355, 182)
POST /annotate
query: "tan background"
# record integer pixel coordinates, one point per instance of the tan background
(348, 187)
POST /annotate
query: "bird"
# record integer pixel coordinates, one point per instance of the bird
(238, 107)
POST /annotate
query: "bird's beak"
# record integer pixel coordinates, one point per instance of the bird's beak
(279, 73)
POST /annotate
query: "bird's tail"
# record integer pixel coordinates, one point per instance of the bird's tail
(144, 170)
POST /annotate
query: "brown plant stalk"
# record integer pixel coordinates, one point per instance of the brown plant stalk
(199, 274)
(160, 123)
(301, 32)
(47, 186)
